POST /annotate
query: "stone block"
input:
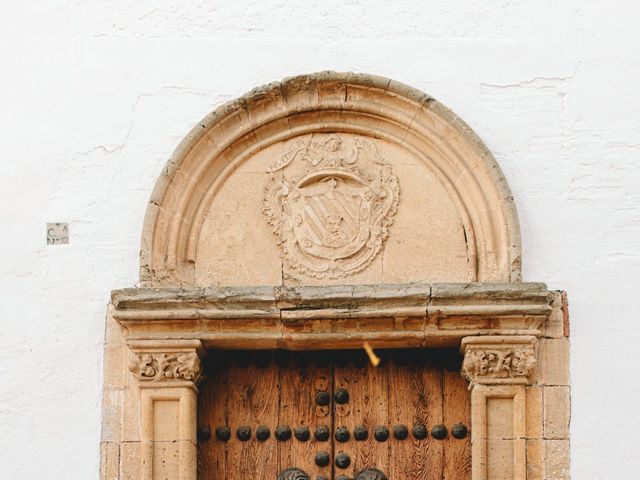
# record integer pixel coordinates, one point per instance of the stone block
(557, 412)
(555, 361)
(557, 460)
(535, 459)
(534, 412)
(130, 461)
(131, 422)
(109, 460)
(112, 400)
(113, 361)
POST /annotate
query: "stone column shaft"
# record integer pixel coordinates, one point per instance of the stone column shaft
(168, 372)
(498, 369)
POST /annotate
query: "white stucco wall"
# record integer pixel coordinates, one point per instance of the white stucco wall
(95, 94)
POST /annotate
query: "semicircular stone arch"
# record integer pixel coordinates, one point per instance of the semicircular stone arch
(331, 178)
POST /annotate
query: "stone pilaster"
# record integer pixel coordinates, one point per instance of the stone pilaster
(167, 374)
(498, 369)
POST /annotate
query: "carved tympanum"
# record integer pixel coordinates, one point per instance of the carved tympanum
(503, 362)
(330, 201)
(166, 366)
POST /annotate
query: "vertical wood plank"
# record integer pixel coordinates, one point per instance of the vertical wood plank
(368, 405)
(252, 400)
(403, 404)
(212, 413)
(300, 381)
(457, 409)
(415, 394)
(426, 392)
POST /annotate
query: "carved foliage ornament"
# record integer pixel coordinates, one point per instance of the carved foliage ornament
(166, 366)
(330, 202)
(508, 362)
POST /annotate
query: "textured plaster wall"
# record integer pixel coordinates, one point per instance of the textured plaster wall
(95, 94)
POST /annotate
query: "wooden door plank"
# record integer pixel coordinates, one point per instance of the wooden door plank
(368, 405)
(415, 398)
(300, 381)
(457, 409)
(404, 399)
(252, 400)
(430, 412)
(212, 413)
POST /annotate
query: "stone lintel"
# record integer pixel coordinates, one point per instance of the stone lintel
(429, 315)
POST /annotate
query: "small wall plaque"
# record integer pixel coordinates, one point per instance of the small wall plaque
(57, 233)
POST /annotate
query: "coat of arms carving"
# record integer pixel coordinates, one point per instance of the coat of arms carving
(331, 200)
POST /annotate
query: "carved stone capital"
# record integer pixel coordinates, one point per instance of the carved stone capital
(498, 360)
(166, 361)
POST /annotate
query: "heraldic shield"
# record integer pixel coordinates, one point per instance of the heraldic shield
(331, 201)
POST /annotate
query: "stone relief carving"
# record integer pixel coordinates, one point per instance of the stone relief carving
(508, 362)
(166, 366)
(330, 202)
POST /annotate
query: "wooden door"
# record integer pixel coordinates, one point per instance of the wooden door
(332, 415)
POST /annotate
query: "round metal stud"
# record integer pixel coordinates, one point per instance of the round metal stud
(283, 433)
(401, 432)
(204, 434)
(263, 433)
(420, 431)
(321, 434)
(243, 433)
(342, 477)
(371, 474)
(322, 459)
(293, 474)
(223, 433)
(343, 461)
(323, 399)
(459, 431)
(302, 433)
(342, 434)
(381, 433)
(439, 432)
(360, 433)
(341, 396)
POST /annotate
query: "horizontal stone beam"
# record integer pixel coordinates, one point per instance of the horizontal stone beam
(334, 317)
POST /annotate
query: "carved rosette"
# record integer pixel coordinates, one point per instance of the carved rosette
(160, 367)
(500, 362)
(330, 201)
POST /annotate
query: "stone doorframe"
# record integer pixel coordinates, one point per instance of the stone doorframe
(432, 206)
(514, 338)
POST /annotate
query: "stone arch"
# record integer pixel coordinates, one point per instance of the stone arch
(411, 127)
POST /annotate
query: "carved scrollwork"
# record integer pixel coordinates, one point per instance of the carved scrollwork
(498, 362)
(166, 366)
(330, 202)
